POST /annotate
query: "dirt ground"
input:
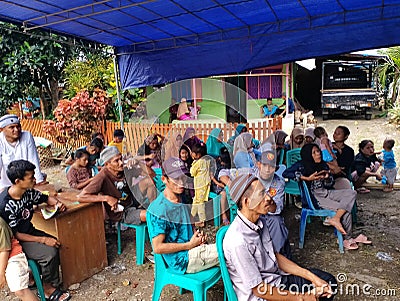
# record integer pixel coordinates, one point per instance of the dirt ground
(361, 275)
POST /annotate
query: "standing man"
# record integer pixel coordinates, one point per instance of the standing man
(257, 271)
(16, 144)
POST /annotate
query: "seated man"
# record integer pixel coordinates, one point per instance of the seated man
(256, 270)
(170, 229)
(110, 186)
(16, 208)
(275, 186)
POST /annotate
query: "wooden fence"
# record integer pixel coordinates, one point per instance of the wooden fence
(136, 132)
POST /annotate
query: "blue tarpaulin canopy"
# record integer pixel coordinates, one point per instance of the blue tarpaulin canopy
(162, 41)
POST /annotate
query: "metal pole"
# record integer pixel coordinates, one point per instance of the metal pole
(194, 98)
(116, 74)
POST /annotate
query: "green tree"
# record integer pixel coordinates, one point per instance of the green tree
(29, 61)
(389, 74)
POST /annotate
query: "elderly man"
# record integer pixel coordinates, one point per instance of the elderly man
(110, 186)
(257, 271)
(16, 144)
(275, 187)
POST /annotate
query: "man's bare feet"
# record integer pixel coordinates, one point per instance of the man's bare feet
(337, 224)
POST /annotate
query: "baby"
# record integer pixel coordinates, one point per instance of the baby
(328, 154)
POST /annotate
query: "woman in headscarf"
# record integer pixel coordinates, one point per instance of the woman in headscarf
(151, 149)
(296, 138)
(190, 138)
(241, 128)
(243, 151)
(280, 137)
(183, 110)
(215, 143)
(171, 145)
(315, 172)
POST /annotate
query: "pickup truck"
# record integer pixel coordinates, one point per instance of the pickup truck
(348, 88)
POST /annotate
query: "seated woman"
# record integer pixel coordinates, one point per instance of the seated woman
(365, 165)
(344, 155)
(215, 142)
(151, 149)
(94, 149)
(79, 175)
(241, 128)
(183, 110)
(296, 138)
(281, 146)
(190, 138)
(244, 154)
(315, 172)
(172, 144)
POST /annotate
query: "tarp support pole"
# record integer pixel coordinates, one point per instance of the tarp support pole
(117, 86)
(194, 98)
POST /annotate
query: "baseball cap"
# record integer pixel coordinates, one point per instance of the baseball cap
(268, 157)
(174, 168)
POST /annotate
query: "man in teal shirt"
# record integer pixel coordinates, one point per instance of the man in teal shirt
(170, 229)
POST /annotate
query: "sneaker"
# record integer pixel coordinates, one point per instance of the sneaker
(150, 257)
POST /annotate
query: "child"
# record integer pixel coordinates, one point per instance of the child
(16, 208)
(200, 170)
(79, 175)
(389, 164)
(14, 265)
(269, 110)
(118, 141)
(328, 155)
(94, 149)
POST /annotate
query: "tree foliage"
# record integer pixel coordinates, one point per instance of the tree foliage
(389, 74)
(78, 117)
(32, 62)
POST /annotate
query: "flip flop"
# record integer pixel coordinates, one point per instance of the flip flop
(225, 222)
(350, 244)
(326, 222)
(362, 239)
(363, 190)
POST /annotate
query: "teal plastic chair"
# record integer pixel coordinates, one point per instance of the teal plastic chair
(229, 292)
(232, 205)
(141, 231)
(38, 279)
(292, 187)
(198, 283)
(312, 211)
(160, 185)
(216, 199)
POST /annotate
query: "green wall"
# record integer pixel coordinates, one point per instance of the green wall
(158, 103)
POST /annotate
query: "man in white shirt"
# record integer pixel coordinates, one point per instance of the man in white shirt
(16, 144)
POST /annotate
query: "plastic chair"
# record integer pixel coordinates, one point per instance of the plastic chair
(281, 156)
(229, 292)
(38, 279)
(292, 187)
(198, 283)
(216, 199)
(312, 211)
(160, 185)
(140, 240)
(232, 205)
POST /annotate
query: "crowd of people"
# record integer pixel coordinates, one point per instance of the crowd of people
(167, 184)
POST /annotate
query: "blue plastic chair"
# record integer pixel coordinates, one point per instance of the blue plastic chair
(229, 292)
(38, 279)
(291, 187)
(312, 211)
(160, 185)
(141, 231)
(198, 283)
(216, 199)
(232, 205)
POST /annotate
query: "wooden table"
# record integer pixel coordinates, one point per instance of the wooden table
(80, 230)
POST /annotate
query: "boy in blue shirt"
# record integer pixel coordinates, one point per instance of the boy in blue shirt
(170, 229)
(389, 171)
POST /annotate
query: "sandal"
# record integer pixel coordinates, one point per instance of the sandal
(350, 244)
(326, 222)
(363, 190)
(362, 239)
(57, 294)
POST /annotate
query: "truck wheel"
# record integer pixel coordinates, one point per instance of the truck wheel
(325, 116)
(368, 116)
